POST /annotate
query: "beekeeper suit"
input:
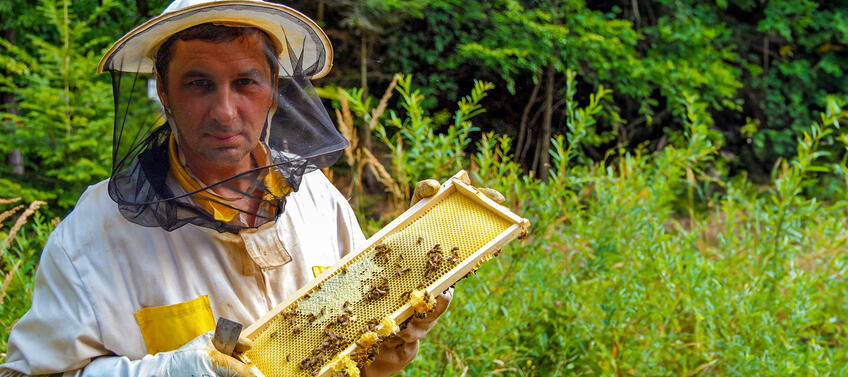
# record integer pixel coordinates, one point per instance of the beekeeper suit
(217, 210)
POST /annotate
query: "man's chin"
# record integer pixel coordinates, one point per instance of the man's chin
(228, 157)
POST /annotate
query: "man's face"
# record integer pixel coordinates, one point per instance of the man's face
(219, 95)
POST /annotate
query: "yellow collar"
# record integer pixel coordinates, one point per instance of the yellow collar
(275, 186)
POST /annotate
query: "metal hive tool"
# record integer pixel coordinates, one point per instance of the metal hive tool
(334, 324)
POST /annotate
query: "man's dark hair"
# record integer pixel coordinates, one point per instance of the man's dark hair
(217, 34)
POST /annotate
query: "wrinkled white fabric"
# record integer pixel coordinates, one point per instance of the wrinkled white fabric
(97, 269)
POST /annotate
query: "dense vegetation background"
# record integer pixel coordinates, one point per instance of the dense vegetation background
(682, 161)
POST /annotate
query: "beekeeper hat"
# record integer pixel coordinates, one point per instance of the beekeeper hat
(288, 28)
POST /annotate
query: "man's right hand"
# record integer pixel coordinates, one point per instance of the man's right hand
(200, 358)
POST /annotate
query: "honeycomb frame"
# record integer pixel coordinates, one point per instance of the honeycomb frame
(341, 345)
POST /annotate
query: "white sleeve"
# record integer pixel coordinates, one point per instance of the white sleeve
(60, 331)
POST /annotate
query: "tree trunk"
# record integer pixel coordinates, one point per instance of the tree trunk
(143, 9)
(10, 104)
(321, 11)
(369, 181)
(522, 128)
(543, 153)
(363, 63)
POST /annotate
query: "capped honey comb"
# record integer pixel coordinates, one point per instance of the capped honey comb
(334, 325)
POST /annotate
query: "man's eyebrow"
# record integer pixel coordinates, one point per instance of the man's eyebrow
(194, 74)
(252, 73)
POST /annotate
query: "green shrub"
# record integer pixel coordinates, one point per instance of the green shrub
(64, 130)
(23, 236)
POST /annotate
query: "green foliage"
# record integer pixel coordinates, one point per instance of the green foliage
(64, 129)
(416, 149)
(18, 262)
(614, 280)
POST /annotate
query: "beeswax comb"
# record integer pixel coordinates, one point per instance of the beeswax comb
(333, 325)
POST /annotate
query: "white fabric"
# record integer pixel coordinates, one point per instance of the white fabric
(97, 269)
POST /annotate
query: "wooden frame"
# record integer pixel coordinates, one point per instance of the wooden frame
(459, 183)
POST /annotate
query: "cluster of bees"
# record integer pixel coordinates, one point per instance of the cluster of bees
(378, 290)
(331, 344)
(436, 256)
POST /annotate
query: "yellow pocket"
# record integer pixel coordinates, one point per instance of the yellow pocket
(318, 270)
(166, 328)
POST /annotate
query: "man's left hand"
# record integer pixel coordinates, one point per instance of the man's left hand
(429, 187)
(399, 349)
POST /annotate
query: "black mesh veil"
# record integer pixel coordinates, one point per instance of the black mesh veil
(297, 137)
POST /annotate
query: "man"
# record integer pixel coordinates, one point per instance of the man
(219, 212)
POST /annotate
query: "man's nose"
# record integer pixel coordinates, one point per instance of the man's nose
(224, 109)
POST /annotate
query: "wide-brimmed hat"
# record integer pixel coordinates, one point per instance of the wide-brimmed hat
(290, 29)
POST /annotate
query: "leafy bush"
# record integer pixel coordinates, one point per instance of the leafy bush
(651, 262)
(23, 230)
(65, 127)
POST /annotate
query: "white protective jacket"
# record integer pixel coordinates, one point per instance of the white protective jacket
(98, 270)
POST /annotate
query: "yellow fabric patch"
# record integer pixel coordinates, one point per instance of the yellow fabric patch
(273, 180)
(318, 270)
(209, 201)
(166, 328)
(215, 204)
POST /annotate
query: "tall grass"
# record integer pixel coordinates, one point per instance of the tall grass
(645, 263)
(23, 231)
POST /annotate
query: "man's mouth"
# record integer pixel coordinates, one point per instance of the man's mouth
(224, 137)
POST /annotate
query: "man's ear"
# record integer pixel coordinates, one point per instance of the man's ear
(160, 90)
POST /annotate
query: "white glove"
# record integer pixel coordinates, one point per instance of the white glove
(199, 358)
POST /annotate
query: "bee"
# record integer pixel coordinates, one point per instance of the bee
(344, 270)
(273, 334)
(323, 310)
(342, 319)
(296, 330)
(288, 357)
(310, 317)
(434, 261)
(420, 240)
(382, 251)
(305, 363)
(405, 294)
(497, 252)
(306, 296)
(346, 304)
(372, 324)
(454, 258)
(292, 321)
